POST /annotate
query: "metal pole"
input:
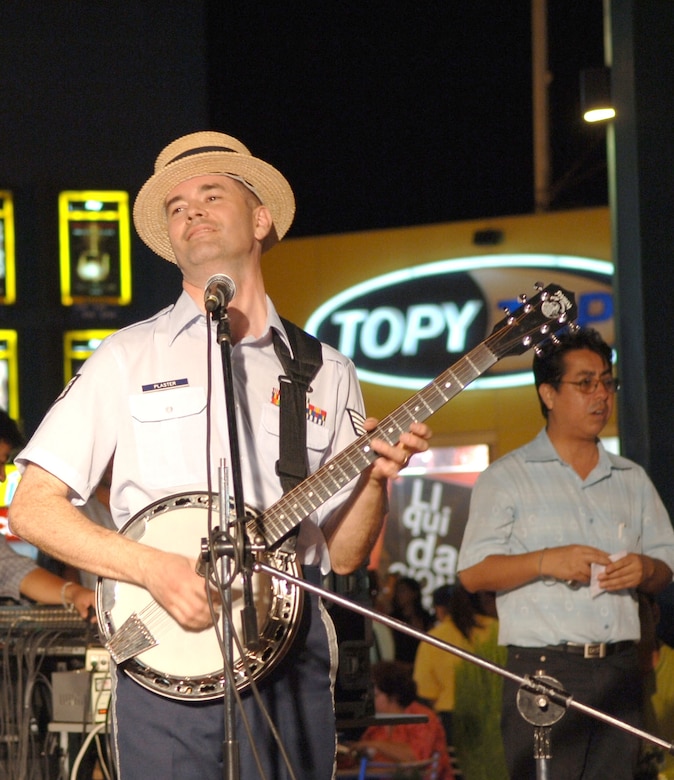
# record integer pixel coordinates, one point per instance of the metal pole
(540, 79)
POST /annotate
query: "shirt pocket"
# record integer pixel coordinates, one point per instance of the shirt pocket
(169, 428)
(318, 437)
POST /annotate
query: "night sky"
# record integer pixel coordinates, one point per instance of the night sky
(385, 115)
(380, 114)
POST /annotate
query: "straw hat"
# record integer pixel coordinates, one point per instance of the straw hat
(202, 153)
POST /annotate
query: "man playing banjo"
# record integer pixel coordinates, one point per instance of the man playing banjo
(144, 397)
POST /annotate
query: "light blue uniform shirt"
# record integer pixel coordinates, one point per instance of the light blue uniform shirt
(142, 395)
(531, 499)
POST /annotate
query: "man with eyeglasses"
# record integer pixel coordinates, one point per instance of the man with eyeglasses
(567, 534)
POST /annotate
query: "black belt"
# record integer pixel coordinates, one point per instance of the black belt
(592, 649)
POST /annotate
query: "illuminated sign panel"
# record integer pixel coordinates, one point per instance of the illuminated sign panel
(405, 328)
(95, 247)
(7, 278)
(9, 373)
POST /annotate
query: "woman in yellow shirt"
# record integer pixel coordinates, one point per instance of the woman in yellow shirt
(462, 621)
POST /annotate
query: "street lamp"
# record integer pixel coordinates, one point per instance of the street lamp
(595, 95)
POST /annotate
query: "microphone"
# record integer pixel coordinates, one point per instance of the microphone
(219, 291)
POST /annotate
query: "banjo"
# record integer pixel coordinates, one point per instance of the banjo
(159, 654)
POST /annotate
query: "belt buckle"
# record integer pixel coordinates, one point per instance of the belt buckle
(597, 650)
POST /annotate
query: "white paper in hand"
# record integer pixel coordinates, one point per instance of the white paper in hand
(596, 569)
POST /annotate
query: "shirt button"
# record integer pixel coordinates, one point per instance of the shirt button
(169, 409)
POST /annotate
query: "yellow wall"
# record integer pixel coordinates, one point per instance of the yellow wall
(301, 274)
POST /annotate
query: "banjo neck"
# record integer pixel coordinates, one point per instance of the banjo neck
(533, 322)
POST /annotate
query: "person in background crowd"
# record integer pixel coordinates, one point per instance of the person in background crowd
(657, 665)
(665, 627)
(395, 694)
(406, 606)
(147, 397)
(20, 577)
(461, 622)
(383, 643)
(567, 533)
(477, 743)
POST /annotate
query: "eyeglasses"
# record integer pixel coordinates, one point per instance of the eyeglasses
(588, 385)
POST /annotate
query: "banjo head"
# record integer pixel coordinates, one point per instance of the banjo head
(155, 650)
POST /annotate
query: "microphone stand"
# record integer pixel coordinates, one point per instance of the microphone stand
(541, 700)
(231, 767)
(230, 745)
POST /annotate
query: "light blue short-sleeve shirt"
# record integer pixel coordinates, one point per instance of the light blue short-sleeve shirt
(531, 499)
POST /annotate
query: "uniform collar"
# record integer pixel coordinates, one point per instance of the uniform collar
(185, 312)
(541, 450)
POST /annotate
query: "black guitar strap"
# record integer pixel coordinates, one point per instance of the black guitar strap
(292, 465)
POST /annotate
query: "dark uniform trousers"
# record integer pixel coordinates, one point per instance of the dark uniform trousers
(582, 747)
